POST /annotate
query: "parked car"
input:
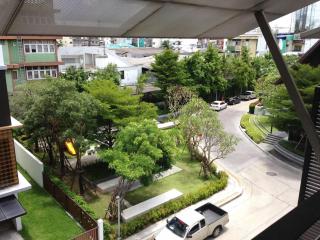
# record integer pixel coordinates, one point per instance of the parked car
(218, 105)
(248, 95)
(233, 100)
(206, 220)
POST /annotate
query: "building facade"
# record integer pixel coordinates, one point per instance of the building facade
(248, 40)
(94, 58)
(28, 58)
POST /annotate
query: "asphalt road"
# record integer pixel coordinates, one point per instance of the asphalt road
(270, 186)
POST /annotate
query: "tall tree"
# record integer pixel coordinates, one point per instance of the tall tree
(141, 150)
(77, 75)
(82, 124)
(118, 108)
(204, 134)
(214, 73)
(108, 73)
(167, 69)
(277, 100)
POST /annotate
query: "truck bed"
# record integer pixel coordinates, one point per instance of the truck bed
(211, 213)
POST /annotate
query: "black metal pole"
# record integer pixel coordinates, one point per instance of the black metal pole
(293, 92)
(5, 119)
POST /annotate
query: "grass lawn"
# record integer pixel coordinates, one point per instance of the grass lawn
(185, 181)
(99, 203)
(45, 218)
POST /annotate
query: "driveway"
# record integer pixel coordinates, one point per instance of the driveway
(270, 186)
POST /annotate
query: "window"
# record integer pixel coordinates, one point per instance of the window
(26, 48)
(39, 46)
(35, 73)
(202, 223)
(33, 48)
(29, 75)
(122, 74)
(194, 229)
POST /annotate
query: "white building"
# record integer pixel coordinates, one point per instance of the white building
(93, 58)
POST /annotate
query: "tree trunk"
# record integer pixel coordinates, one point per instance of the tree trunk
(121, 190)
(61, 158)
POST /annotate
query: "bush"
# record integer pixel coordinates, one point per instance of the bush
(174, 206)
(252, 106)
(254, 133)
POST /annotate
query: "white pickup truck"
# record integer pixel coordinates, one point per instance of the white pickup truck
(198, 224)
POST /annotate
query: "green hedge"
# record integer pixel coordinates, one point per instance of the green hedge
(79, 200)
(252, 131)
(174, 206)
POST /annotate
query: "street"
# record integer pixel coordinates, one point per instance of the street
(270, 186)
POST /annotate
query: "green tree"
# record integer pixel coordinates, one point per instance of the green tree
(50, 114)
(77, 75)
(108, 73)
(204, 134)
(118, 107)
(214, 73)
(279, 103)
(141, 150)
(166, 44)
(81, 120)
(142, 79)
(168, 71)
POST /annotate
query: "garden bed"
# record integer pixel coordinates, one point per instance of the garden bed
(98, 172)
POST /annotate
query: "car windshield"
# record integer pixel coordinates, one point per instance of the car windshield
(247, 93)
(215, 103)
(177, 226)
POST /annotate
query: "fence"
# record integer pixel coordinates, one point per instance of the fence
(86, 221)
(29, 162)
(91, 234)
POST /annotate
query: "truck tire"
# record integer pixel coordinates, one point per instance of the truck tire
(217, 231)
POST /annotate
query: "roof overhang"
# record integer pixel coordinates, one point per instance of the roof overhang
(10, 208)
(139, 18)
(313, 33)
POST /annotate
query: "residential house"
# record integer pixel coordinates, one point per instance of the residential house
(28, 58)
(93, 58)
(248, 40)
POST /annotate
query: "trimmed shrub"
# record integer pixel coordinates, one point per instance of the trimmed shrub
(254, 133)
(174, 206)
(252, 106)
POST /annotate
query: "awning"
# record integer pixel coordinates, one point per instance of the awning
(139, 18)
(10, 208)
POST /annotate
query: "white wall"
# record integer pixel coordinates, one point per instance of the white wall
(130, 75)
(1, 56)
(29, 162)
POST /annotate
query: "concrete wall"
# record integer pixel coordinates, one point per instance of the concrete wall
(29, 162)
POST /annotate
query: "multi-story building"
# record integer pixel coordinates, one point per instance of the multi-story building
(307, 18)
(28, 58)
(248, 40)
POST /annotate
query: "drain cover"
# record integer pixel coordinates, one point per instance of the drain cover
(271, 173)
